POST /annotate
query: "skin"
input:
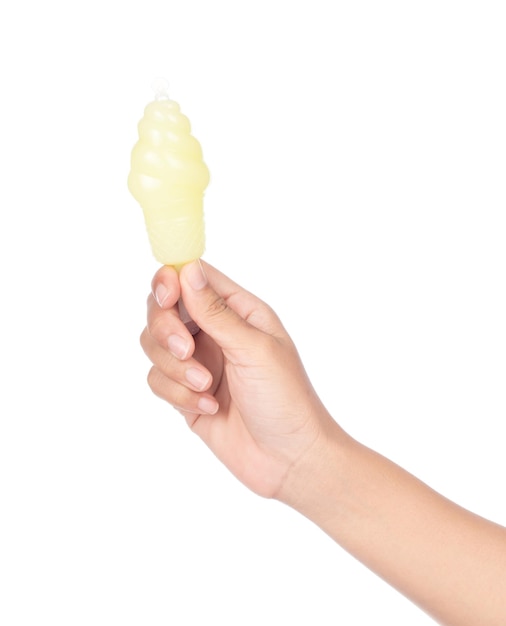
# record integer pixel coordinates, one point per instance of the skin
(242, 388)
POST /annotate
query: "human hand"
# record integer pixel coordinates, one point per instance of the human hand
(239, 382)
(242, 388)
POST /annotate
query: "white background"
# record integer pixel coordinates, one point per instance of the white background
(357, 154)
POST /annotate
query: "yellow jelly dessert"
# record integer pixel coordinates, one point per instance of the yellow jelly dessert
(168, 177)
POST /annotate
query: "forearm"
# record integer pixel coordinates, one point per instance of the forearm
(447, 560)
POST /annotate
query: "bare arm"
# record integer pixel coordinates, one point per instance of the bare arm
(242, 388)
(447, 560)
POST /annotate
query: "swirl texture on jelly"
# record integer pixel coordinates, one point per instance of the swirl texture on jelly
(168, 178)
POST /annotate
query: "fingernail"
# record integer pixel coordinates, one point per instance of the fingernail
(197, 378)
(195, 276)
(178, 346)
(208, 405)
(161, 293)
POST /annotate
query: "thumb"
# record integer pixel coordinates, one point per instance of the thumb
(218, 305)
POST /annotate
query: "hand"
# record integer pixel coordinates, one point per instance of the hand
(239, 382)
(241, 386)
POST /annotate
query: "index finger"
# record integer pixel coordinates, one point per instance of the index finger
(165, 287)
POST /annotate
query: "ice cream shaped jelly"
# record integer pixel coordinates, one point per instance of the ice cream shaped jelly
(168, 178)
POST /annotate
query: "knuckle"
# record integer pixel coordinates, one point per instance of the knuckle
(168, 389)
(153, 379)
(157, 327)
(143, 339)
(216, 307)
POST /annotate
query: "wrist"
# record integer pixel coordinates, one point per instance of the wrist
(316, 479)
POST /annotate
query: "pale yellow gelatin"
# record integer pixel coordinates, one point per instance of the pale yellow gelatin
(168, 177)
